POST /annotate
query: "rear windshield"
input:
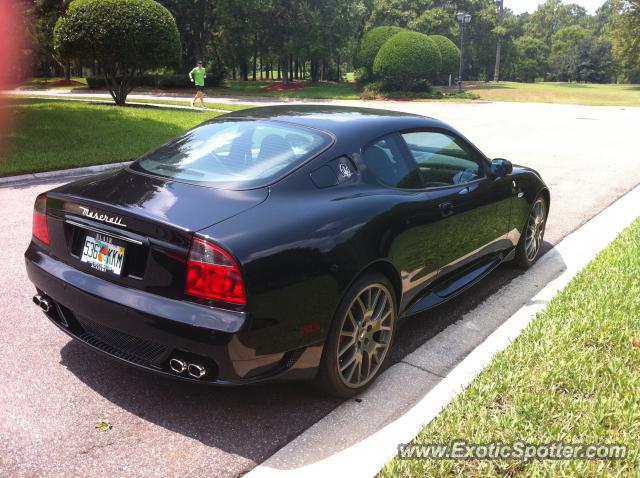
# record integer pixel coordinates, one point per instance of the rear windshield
(234, 153)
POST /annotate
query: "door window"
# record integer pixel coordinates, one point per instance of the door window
(386, 161)
(442, 159)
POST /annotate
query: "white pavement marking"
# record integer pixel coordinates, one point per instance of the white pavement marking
(359, 437)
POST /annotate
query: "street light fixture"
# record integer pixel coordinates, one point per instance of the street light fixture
(464, 19)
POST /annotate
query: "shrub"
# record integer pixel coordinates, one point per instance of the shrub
(407, 58)
(369, 47)
(371, 91)
(450, 56)
(125, 37)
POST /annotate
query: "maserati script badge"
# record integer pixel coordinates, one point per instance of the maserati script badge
(115, 220)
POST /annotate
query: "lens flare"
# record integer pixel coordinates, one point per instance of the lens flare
(14, 57)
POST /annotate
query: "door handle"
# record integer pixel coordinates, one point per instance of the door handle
(446, 208)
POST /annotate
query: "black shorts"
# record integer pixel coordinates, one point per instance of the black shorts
(200, 88)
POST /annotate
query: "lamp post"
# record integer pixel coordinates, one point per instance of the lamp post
(463, 19)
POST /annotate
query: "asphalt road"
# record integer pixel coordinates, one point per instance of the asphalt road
(53, 390)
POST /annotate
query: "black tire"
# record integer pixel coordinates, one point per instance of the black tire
(367, 337)
(526, 256)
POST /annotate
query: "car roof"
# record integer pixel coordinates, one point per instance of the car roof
(340, 120)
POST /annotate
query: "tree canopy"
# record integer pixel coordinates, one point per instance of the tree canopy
(407, 57)
(125, 37)
(318, 39)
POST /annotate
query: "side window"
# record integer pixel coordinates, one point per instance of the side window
(441, 159)
(384, 158)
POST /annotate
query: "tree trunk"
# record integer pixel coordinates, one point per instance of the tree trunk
(279, 73)
(255, 56)
(67, 70)
(285, 69)
(244, 70)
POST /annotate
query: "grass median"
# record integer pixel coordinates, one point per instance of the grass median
(571, 376)
(51, 134)
(548, 92)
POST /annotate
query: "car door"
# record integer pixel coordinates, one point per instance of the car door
(474, 207)
(412, 217)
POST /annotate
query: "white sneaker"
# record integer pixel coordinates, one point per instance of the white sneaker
(192, 104)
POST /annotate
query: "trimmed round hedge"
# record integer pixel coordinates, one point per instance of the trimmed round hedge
(370, 45)
(450, 55)
(131, 33)
(406, 58)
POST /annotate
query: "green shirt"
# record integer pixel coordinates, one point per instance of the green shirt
(198, 75)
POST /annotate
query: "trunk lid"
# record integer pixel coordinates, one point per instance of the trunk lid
(153, 218)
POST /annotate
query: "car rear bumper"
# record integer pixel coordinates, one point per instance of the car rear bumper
(146, 330)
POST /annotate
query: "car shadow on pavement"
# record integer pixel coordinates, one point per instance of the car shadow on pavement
(252, 421)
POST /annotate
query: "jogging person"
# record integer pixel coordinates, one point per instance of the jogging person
(197, 76)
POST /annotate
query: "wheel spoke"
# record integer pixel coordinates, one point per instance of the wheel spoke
(353, 369)
(351, 360)
(353, 321)
(363, 308)
(366, 367)
(346, 346)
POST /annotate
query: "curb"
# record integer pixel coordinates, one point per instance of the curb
(62, 174)
(350, 440)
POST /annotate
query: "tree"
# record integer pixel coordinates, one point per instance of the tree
(594, 60)
(406, 58)
(531, 54)
(552, 16)
(450, 54)
(47, 13)
(626, 40)
(370, 45)
(125, 37)
(563, 57)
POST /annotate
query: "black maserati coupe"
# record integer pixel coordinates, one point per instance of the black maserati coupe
(281, 242)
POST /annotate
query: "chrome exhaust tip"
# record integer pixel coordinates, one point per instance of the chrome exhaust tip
(177, 365)
(45, 305)
(197, 371)
(42, 302)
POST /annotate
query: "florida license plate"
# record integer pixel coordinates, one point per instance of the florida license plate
(103, 254)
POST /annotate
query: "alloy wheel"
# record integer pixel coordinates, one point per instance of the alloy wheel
(535, 230)
(365, 336)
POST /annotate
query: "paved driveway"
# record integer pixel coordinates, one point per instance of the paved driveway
(53, 391)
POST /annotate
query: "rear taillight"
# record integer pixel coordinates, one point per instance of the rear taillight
(40, 227)
(212, 273)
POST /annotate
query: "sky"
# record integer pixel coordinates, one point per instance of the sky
(520, 6)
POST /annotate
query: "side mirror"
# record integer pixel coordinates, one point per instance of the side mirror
(501, 167)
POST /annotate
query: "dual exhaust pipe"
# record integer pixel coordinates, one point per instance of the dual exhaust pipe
(193, 369)
(42, 302)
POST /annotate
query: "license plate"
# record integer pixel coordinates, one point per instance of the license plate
(101, 253)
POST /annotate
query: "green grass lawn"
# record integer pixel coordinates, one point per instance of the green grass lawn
(320, 90)
(572, 376)
(543, 92)
(570, 93)
(185, 102)
(55, 134)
